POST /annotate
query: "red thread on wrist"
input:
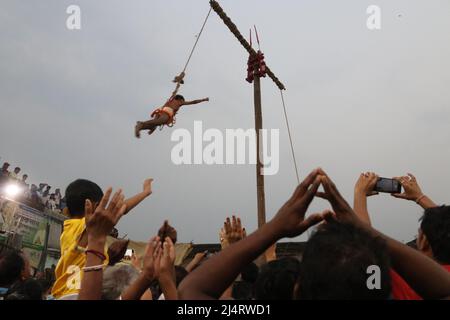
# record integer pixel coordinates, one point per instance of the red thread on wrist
(96, 253)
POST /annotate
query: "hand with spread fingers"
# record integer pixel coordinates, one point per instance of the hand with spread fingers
(231, 232)
(101, 221)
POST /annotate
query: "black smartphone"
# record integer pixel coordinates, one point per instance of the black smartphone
(387, 185)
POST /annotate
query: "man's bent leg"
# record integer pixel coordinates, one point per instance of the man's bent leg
(151, 125)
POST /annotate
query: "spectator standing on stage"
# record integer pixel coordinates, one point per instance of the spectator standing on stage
(15, 174)
(5, 167)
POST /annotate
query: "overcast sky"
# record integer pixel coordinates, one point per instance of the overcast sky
(357, 99)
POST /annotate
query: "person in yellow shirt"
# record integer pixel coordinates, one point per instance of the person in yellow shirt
(73, 238)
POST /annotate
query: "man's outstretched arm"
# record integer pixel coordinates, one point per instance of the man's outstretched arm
(195, 101)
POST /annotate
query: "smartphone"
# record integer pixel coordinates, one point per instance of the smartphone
(387, 185)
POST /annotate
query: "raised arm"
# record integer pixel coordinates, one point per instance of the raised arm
(364, 187)
(425, 276)
(196, 261)
(99, 224)
(232, 232)
(138, 198)
(167, 276)
(413, 192)
(149, 271)
(186, 103)
(215, 275)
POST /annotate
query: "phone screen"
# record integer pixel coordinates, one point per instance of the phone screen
(128, 253)
(388, 186)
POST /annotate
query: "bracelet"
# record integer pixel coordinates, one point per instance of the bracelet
(93, 268)
(420, 198)
(98, 254)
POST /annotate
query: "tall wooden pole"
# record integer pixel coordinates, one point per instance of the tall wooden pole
(259, 152)
(258, 113)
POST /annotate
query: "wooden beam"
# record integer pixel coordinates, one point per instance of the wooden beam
(234, 30)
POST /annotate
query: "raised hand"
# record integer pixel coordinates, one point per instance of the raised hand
(151, 259)
(136, 262)
(147, 189)
(150, 270)
(290, 220)
(100, 223)
(366, 184)
(166, 275)
(343, 212)
(231, 232)
(167, 262)
(411, 188)
(413, 192)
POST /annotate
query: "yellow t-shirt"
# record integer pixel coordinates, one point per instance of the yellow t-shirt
(68, 271)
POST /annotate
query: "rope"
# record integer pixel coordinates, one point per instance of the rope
(196, 41)
(179, 79)
(290, 137)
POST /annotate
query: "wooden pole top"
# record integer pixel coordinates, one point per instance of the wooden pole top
(234, 30)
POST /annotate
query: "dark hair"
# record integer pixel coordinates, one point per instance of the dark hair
(250, 273)
(242, 290)
(155, 289)
(435, 226)
(277, 279)
(76, 194)
(29, 289)
(117, 250)
(11, 266)
(45, 284)
(180, 274)
(178, 97)
(335, 263)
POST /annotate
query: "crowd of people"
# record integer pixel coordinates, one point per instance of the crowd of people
(40, 197)
(345, 257)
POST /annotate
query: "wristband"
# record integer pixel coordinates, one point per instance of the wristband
(98, 254)
(420, 198)
(93, 268)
